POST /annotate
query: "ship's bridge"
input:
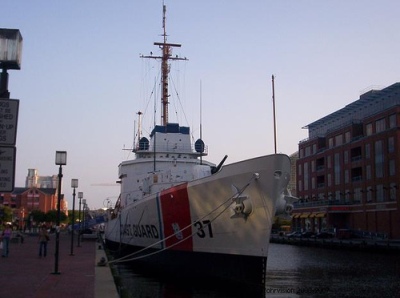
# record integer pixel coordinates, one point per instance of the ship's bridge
(171, 138)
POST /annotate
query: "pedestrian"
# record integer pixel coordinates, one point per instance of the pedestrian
(6, 235)
(43, 239)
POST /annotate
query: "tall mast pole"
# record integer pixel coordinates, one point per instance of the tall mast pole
(273, 103)
(166, 49)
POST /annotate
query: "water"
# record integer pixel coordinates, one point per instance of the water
(293, 271)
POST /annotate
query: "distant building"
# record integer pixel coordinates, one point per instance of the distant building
(292, 183)
(39, 193)
(348, 171)
(34, 180)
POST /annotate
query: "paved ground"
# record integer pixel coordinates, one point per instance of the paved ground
(24, 274)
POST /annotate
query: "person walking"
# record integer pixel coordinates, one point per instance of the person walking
(43, 239)
(6, 235)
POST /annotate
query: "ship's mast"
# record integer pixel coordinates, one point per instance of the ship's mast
(166, 49)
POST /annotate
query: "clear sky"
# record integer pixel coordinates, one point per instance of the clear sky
(82, 80)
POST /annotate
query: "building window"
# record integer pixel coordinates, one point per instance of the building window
(368, 172)
(392, 167)
(379, 193)
(312, 183)
(347, 137)
(357, 195)
(378, 159)
(347, 196)
(320, 164)
(337, 168)
(330, 143)
(393, 189)
(320, 181)
(356, 154)
(368, 129)
(299, 170)
(329, 180)
(391, 145)
(312, 166)
(329, 162)
(346, 176)
(314, 148)
(367, 151)
(305, 178)
(346, 157)
(380, 125)
(356, 174)
(300, 185)
(308, 151)
(392, 121)
(301, 153)
(369, 194)
(338, 140)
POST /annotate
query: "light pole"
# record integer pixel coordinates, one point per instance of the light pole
(83, 217)
(80, 196)
(10, 56)
(61, 160)
(74, 184)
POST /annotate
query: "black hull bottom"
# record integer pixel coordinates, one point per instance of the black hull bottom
(237, 270)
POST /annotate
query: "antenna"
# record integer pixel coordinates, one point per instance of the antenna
(201, 120)
(273, 104)
(166, 49)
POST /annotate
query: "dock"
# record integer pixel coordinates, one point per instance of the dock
(25, 274)
(367, 245)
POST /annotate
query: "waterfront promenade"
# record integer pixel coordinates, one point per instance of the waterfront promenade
(24, 274)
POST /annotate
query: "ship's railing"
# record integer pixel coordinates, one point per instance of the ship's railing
(172, 148)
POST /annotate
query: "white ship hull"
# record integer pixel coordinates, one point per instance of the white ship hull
(225, 217)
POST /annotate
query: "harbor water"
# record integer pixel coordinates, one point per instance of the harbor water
(293, 271)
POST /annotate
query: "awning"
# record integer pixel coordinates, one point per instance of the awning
(296, 215)
(313, 214)
(305, 215)
(322, 214)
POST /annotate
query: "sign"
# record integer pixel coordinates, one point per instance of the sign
(8, 121)
(7, 168)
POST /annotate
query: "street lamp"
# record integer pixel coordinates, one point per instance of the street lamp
(74, 184)
(83, 210)
(10, 56)
(61, 160)
(80, 196)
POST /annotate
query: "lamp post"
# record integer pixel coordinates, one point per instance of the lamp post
(74, 184)
(61, 160)
(83, 216)
(10, 56)
(80, 196)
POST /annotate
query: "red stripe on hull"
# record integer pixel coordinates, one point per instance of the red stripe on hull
(175, 211)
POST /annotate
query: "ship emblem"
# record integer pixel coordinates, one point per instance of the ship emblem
(241, 206)
(177, 231)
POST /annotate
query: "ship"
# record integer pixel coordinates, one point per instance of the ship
(180, 214)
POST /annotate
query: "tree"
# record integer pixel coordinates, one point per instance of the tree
(5, 214)
(51, 216)
(38, 216)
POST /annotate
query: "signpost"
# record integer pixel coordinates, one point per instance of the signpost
(10, 58)
(7, 168)
(8, 121)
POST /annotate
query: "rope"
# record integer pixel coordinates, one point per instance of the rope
(125, 258)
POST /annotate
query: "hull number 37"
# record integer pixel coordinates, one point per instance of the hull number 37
(204, 228)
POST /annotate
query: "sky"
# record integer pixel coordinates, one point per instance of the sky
(82, 80)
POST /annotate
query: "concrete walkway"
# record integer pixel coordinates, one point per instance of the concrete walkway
(24, 274)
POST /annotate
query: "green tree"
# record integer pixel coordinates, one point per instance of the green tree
(38, 216)
(5, 214)
(51, 216)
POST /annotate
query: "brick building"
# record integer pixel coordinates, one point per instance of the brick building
(39, 193)
(348, 170)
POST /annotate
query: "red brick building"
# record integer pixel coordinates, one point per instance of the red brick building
(348, 171)
(24, 200)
